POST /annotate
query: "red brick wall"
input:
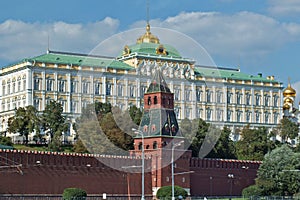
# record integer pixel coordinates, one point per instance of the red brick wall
(50, 173)
(210, 176)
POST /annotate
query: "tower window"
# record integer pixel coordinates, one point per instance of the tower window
(140, 146)
(149, 100)
(155, 99)
(154, 145)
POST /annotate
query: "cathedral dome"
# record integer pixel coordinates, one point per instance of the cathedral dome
(286, 106)
(288, 100)
(149, 44)
(148, 37)
(289, 91)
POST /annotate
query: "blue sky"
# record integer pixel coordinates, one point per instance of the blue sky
(259, 36)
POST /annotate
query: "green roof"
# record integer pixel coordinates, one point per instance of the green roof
(228, 73)
(150, 48)
(80, 60)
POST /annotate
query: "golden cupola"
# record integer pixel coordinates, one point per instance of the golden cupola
(148, 37)
(289, 91)
(286, 106)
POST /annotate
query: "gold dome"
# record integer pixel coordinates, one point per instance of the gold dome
(288, 100)
(286, 106)
(289, 91)
(147, 37)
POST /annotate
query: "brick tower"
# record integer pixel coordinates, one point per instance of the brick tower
(162, 138)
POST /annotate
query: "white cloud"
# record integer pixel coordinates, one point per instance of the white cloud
(284, 7)
(237, 35)
(19, 39)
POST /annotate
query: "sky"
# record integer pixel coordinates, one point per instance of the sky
(257, 36)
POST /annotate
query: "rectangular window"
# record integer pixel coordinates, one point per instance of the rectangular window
(73, 106)
(19, 86)
(97, 88)
(248, 96)
(49, 85)
(74, 87)
(187, 95)
(85, 87)
(177, 94)
(61, 86)
(198, 95)
(37, 84)
(108, 89)
(132, 91)
(24, 84)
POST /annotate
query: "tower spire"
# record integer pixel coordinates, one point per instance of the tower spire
(147, 12)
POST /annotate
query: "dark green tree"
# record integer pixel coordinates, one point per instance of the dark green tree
(54, 123)
(25, 121)
(116, 135)
(279, 173)
(165, 193)
(74, 194)
(79, 147)
(198, 139)
(135, 114)
(287, 129)
(106, 130)
(5, 141)
(254, 144)
(224, 148)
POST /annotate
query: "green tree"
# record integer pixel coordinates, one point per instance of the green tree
(25, 121)
(54, 123)
(287, 129)
(106, 130)
(224, 148)
(117, 136)
(279, 173)
(198, 139)
(74, 194)
(5, 141)
(135, 114)
(165, 192)
(254, 144)
(79, 147)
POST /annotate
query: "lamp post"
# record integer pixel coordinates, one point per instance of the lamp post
(143, 162)
(231, 177)
(172, 162)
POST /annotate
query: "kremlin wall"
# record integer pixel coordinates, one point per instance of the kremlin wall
(30, 172)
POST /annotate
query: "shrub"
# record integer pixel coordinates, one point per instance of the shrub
(74, 194)
(165, 192)
(252, 190)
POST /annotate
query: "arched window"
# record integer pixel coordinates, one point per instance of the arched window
(140, 146)
(155, 99)
(149, 100)
(154, 145)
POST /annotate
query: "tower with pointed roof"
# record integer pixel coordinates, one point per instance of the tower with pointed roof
(160, 132)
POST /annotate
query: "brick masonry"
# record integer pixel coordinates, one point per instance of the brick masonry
(29, 172)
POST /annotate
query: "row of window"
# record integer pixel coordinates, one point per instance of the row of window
(240, 98)
(240, 116)
(86, 87)
(13, 87)
(219, 97)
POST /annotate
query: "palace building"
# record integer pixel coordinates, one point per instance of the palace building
(222, 96)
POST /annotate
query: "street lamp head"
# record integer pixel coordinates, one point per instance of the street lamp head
(178, 143)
